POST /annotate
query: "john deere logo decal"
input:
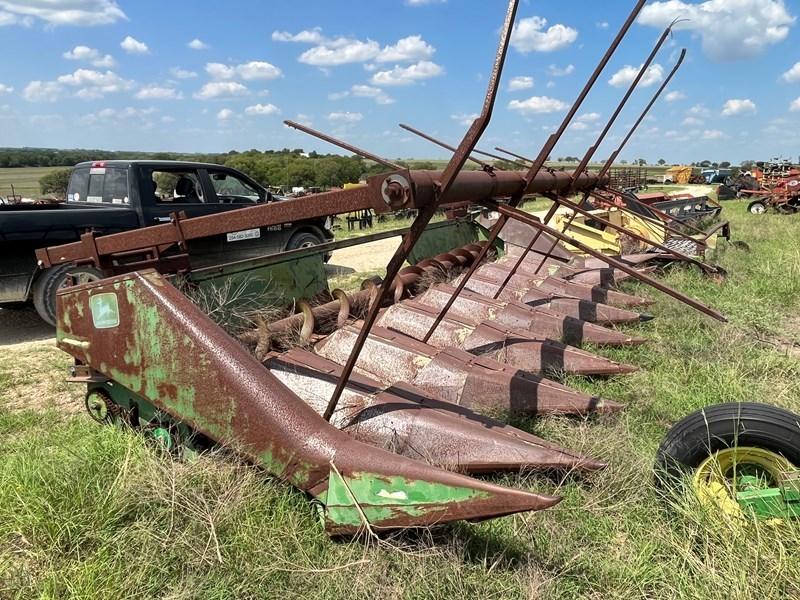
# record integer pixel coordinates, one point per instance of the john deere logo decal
(105, 311)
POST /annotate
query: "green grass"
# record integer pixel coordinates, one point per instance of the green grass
(94, 512)
(24, 179)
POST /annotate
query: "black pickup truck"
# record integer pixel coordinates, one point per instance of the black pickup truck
(113, 196)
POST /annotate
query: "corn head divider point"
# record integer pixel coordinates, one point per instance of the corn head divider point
(400, 391)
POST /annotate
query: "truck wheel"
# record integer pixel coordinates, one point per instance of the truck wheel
(727, 448)
(303, 239)
(46, 286)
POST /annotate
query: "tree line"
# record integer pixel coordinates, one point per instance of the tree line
(285, 168)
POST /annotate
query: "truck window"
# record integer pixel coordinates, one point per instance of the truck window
(180, 186)
(230, 188)
(78, 185)
(106, 185)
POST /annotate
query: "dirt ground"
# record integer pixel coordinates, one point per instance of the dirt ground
(21, 326)
(369, 257)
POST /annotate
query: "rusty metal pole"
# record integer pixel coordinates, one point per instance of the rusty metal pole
(336, 142)
(484, 165)
(539, 163)
(515, 213)
(588, 157)
(660, 213)
(425, 214)
(636, 125)
(578, 210)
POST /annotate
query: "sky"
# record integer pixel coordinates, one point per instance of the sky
(210, 76)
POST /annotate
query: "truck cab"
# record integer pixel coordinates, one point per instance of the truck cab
(112, 196)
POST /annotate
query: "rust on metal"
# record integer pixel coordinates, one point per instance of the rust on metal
(426, 213)
(456, 376)
(536, 167)
(145, 335)
(409, 422)
(617, 264)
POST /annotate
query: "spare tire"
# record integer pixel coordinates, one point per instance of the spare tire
(694, 438)
(726, 453)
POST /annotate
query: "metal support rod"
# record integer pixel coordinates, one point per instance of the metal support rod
(655, 98)
(656, 211)
(551, 213)
(581, 211)
(538, 164)
(514, 213)
(425, 136)
(496, 157)
(549, 252)
(424, 216)
(341, 144)
(519, 156)
(632, 88)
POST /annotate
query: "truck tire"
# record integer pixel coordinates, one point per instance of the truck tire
(303, 239)
(726, 426)
(49, 282)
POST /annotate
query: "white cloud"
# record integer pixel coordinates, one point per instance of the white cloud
(345, 117)
(363, 91)
(408, 75)
(538, 105)
(113, 115)
(5, 89)
(93, 84)
(332, 52)
(221, 89)
(699, 110)
(464, 119)
(225, 114)
(182, 73)
(197, 44)
(520, 83)
(736, 107)
(793, 74)
(368, 91)
(42, 91)
(307, 36)
(133, 46)
(627, 74)
(340, 51)
(795, 106)
(529, 35)
(90, 55)
(556, 71)
(675, 96)
(713, 134)
(730, 29)
(304, 120)
(589, 117)
(156, 92)
(579, 126)
(72, 12)
(409, 49)
(258, 70)
(250, 71)
(692, 122)
(602, 25)
(262, 110)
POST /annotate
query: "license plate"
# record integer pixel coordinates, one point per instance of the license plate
(247, 234)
